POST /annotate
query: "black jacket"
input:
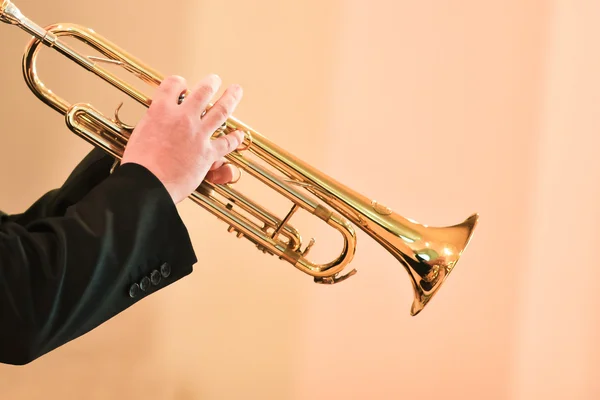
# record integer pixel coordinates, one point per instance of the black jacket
(83, 253)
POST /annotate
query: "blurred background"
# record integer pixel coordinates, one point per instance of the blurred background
(438, 109)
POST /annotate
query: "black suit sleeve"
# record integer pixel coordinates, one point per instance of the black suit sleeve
(64, 271)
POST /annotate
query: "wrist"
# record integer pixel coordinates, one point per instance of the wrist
(160, 176)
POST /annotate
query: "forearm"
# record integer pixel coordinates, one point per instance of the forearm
(61, 276)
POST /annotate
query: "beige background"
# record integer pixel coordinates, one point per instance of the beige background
(438, 109)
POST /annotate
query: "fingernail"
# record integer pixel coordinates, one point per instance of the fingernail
(215, 78)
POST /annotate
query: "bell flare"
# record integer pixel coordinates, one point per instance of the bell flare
(428, 276)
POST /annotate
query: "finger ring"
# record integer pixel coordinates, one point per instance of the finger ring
(227, 162)
(247, 135)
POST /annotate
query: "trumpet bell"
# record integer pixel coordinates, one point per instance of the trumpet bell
(431, 258)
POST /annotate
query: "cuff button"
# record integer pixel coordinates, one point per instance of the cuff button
(165, 270)
(134, 290)
(155, 277)
(145, 283)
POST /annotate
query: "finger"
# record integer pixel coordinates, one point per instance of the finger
(200, 96)
(225, 174)
(217, 164)
(222, 109)
(169, 90)
(225, 144)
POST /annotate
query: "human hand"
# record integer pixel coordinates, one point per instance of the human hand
(174, 142)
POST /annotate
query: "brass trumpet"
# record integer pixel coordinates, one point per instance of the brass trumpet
(428, 254)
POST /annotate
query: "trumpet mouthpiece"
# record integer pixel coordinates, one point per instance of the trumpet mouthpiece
(9, 13)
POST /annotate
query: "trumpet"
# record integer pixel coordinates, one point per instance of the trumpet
(428, 254)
